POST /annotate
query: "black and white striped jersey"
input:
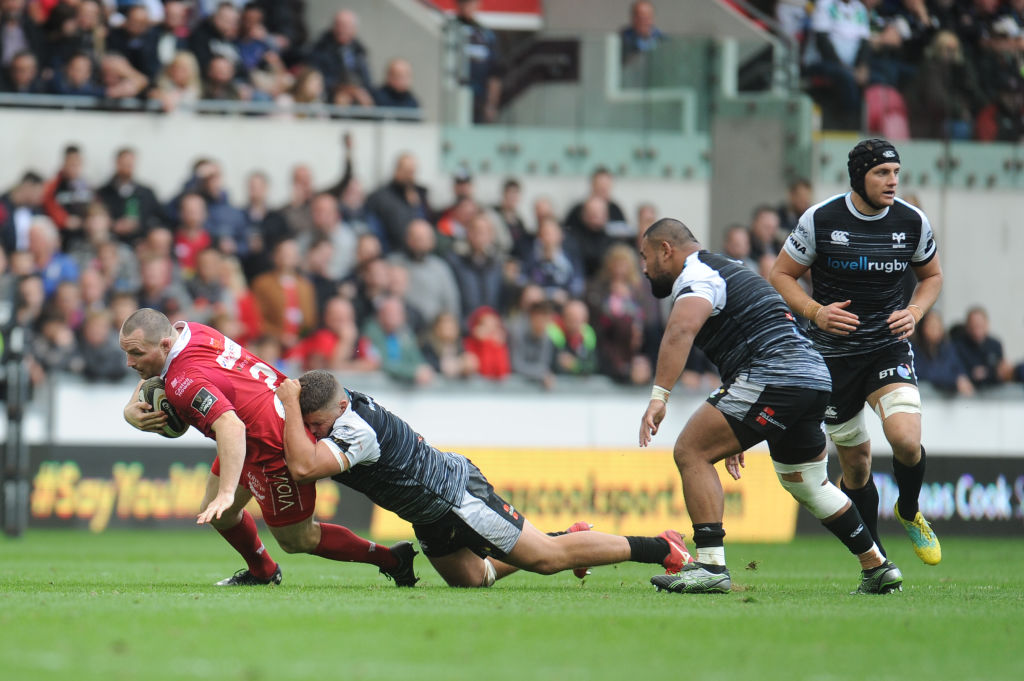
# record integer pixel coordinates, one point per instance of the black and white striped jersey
(860, 258)
(393, 465)
(751, 331)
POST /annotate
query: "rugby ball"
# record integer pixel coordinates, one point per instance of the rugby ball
(152, 392)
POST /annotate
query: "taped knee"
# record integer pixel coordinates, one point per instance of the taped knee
(849, 433)
(489, 573)
(808, 483)
(906, 400)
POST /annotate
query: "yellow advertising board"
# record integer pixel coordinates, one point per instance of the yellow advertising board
(632, 492)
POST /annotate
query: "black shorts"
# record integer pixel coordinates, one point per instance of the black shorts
(484, 523)
(787, 418)
(856, 377)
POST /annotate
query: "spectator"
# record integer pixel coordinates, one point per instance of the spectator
(766, 238)
(614, 298)
(136, 39)
(220, 82)
(133, 206)
(394, 205)
(66, 303)
(936, 360)
(215, 36)
(93, 290)
(54, 348)
(453, 225)
(531, 348)
(191, 236)
(97, 234)
(226, 224)
(551, 267)
(342, 59)
(161, 289)
(373, 284)
(178, 84)
(296, 215)
(285, 297)
(337, 346)
(84, 31)
(511, 234)
(575, 341)
(397, 88)
(836, 57)
(21, 75)
(258, 53)
(67, 195)
(980, 353)
(18, 32)
(119, 79)
(327, 223)
(210, 296)
(100, 356)
(47, 259)
(76, 78)
(600, 188)
(17, 208)
(646, 215)
(318, 258)
(487, 343)
(432, 286)
(798, 200)
(443, 350)
(945, 94)
(641, 35)
(479, 271)
(31, 297)
(308, 90)
(1003, 118)
(591, 241)
(737, 246)
(395, 344)
(483, 67)
(172, 31)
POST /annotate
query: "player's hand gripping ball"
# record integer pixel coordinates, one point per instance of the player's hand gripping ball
(152, 392)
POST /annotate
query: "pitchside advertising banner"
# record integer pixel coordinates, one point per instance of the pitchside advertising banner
(620, 491)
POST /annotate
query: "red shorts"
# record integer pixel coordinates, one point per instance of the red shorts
(282, 500)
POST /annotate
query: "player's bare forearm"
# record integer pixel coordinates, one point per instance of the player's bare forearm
(230, 432)
(929, 285)
(675, 348)
(785, 276)
(299, 452)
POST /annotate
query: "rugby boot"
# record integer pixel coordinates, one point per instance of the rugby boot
(678, 557)
(883, 579)
(246, 578)
(926, 544)
(694, 578)
(402, 573)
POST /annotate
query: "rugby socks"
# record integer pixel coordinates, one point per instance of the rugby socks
(850, 530)
(709, 538)
(909, 480)
(866, 500)
(340, 543)
(245, 539)
(647, 549)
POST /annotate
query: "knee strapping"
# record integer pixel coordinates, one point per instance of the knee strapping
(809, 484)
(489, 573)
(849, 433)
(906, 399)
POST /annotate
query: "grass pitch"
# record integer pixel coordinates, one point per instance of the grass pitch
(140, 606)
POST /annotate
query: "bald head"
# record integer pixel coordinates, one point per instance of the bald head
(154, 324)
(672, 231)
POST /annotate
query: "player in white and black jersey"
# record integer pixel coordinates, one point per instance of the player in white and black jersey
(858, 246)
(468, 532)
(774, 388)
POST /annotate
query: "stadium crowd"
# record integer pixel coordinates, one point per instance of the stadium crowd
(357, 281)
(176, 52)
(933, 69)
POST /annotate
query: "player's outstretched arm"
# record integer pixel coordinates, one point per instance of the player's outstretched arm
(307, 461)
(230, 435)
(140, 414)
(687, 317)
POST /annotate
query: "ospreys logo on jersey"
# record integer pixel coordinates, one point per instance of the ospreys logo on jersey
(840, 238)
(899, 238)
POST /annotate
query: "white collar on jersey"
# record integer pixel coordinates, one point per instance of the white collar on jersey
(184, 336)
(860, 216)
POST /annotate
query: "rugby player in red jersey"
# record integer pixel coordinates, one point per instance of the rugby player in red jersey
(227, 393)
